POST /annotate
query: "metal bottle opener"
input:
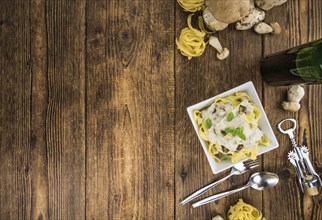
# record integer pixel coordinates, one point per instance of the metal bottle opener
(299, 157)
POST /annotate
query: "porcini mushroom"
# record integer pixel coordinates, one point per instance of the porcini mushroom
(276, 28)
(263, 28)
(223, 53)
(295, 93)
(211, 22)
(268, 4)
(230, 11)
(294, 96)
(291, 106)
(255, 15)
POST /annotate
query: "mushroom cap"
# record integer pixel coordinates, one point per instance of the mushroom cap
(230, 11)
(211, 22)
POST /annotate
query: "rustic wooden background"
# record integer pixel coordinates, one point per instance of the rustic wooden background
(93, 122)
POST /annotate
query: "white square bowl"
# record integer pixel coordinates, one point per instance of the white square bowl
(264, 124)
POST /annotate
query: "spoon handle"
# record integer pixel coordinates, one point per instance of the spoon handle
(218, 196)
(204, 189)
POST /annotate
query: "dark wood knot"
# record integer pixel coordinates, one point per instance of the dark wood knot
(168, 184)
(125, 42)
(284, 174)
(183, 174)
(40, 217)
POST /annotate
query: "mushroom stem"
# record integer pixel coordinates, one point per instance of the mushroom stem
(291, 106)
(214, 42)
(295, 93)
(223, 53)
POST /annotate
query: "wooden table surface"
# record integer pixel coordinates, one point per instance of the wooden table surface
(93, 121)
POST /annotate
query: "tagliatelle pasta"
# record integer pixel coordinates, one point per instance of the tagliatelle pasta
(244, 211)
(192, 5)
(230, 128)
(191, 41)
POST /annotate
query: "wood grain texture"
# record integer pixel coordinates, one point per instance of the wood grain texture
(130, 108)
(65, 126)
(43, 147)
(197, 80)
(39, 100)
(93, 121)
(300, 25)
(15, 86)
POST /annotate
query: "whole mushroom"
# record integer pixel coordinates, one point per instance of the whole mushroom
(223, 53)
(227, 11)
(218, 14)
(294, 96)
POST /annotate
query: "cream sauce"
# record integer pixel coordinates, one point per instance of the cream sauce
(218, 113)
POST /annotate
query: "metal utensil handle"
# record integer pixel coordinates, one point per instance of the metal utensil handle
(290, 131)
(204, 189)
(218, 196)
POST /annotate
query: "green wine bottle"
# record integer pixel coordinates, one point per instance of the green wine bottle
(299, 65)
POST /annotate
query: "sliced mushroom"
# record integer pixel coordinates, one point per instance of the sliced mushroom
(276, 28)
(255, 15)
(263, 28)
(211, 22)
(268, 4)
(223, 53)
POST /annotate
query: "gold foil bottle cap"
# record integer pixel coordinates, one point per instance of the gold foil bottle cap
(311, 191)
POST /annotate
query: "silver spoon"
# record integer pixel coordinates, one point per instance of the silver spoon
(258, 181)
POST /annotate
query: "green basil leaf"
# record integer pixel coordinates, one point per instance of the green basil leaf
(225, 157)
(230, 116)
(208, 123)
(242, 136)
(229, 130)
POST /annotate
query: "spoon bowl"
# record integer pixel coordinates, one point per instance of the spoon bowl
(263, 180)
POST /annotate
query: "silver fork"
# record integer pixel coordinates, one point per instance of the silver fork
(237, 169)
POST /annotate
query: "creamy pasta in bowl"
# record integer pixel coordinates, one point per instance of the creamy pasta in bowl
(232, 127)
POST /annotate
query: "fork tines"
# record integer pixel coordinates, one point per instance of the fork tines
(251, 163)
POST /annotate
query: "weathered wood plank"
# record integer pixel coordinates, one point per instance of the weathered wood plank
(130, 110)
(42, 109)
(93, 121)
(197, 80)
(300, 24)
(39, 101)
(65, 126)
(15, 91)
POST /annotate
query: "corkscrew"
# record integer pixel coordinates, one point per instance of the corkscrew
(309, 180)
